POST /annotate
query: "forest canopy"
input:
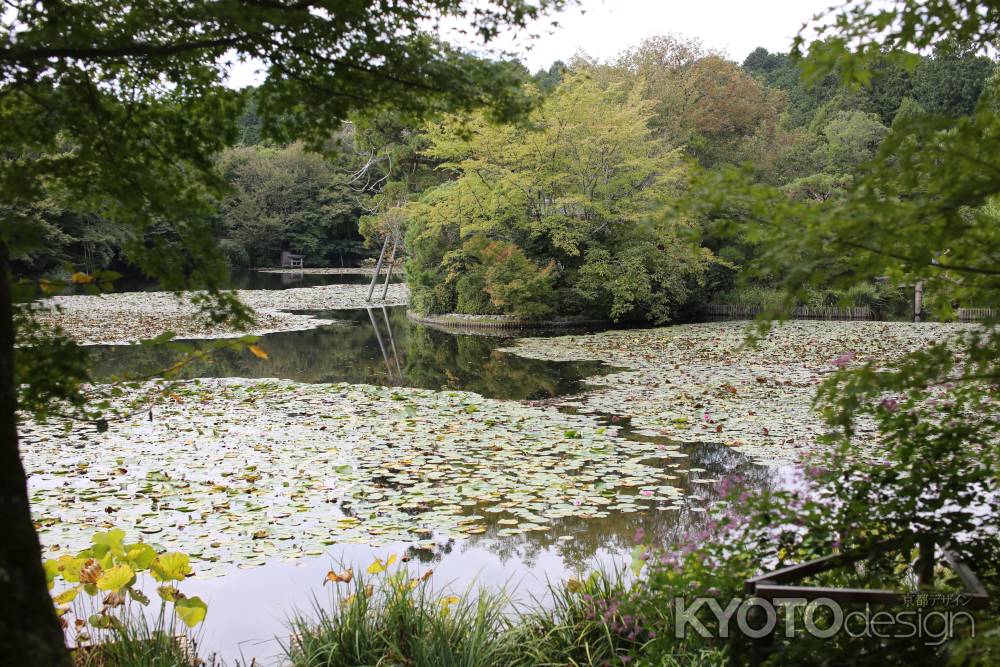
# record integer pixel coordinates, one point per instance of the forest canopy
(562, 215)
(553, 216)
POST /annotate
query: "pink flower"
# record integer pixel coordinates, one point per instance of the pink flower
(844, 359)
(889, 404)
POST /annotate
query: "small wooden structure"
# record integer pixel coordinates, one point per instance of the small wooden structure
(290, 261)
(780, 583)
(975, 314)
(785, 584)
(382, 257)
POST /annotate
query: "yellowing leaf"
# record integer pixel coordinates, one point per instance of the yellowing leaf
(140, 556)
(191, 611)
(346, 576)
(379, 567)
(258, 351)
(172, 566)
(109, 542)
(116, 578)
(51, 571)
(67, 596)
(80, 278)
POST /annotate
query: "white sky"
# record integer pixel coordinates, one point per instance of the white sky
(604, 28)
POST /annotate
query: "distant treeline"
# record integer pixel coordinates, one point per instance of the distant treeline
(574, 212)
(562, 214)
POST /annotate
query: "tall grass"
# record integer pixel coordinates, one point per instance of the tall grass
(405, 622)
(402, 624)
(135, 642)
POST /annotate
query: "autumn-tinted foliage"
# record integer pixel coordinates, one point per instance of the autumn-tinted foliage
(554, 216)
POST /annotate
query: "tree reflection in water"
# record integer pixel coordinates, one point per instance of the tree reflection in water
(614, 534)
(381, 348)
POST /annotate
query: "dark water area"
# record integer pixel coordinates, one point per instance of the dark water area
(379, 346)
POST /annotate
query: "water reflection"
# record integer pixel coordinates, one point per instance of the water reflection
(380, 347)
(661, 523)
(250, 607)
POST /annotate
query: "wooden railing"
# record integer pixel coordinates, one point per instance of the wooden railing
(740, 311)
(975, 314)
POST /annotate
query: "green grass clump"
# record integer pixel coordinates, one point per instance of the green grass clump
(397, 620)
(402, 623)
(135, 642)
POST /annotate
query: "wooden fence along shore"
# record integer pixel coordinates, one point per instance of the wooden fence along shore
(975, 314)
(738, 311)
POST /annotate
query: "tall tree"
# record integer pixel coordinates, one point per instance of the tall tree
(137, 90)
(553, 217)
(702, 101)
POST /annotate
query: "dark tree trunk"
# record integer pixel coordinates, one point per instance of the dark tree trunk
(29, 630)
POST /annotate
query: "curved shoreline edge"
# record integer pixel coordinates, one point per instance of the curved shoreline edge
(456, 322)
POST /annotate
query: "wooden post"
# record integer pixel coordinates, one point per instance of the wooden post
(918, 300)
(378, 267)
(925, 563)
(392, 263)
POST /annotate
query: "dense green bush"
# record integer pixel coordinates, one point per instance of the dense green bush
(553, 217)
(285, 199)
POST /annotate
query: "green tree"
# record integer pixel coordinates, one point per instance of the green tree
(923, 209)
(572, 191)
(951, 81)
(850, 139)
(285, 199)
(548, 80)
(136, 90)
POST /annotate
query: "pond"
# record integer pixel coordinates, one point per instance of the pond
(250, 606)
(254, 279)
(379, 346)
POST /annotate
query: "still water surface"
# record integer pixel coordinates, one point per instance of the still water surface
(249, 608)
